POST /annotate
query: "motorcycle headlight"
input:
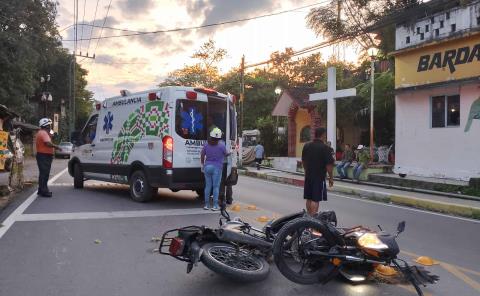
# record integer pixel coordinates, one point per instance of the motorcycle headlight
(371, 241)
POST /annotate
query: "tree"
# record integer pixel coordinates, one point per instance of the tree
(30, 47)
(354, 18)
(384, 106)
(203, 73)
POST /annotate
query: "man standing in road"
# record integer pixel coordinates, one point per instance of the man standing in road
(259, 154)
(45, 150)
(317, 160)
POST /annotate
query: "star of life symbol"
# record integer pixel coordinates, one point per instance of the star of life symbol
(107, 122)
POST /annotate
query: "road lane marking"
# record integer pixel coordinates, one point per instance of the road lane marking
(465, 278)
(8, 222)
(112, 215)
(451, 268)
(378, 203)
(443, 264)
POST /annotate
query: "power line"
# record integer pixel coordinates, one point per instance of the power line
(91, 32)
(338, 39)
(136, 33)
(101, 30)
(83, 21)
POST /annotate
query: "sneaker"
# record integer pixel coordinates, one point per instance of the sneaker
(206, 208)
(215, 209)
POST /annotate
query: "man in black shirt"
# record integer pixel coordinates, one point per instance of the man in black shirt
(317, 161)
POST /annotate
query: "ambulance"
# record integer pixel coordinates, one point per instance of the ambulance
(153, 139)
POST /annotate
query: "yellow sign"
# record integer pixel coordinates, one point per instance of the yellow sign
(3, 148)
(440, 62)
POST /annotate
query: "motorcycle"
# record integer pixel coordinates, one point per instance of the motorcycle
(309, 251)
(236, 249)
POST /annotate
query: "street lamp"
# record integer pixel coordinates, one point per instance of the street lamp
(46, 96)
(372, 52)
(278, 90)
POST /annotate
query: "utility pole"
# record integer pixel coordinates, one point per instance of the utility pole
(242, 91)
(339, 11)
(75, 16)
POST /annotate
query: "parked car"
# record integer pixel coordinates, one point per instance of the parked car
(67, 149)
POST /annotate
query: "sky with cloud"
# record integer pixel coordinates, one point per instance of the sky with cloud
(141, 62)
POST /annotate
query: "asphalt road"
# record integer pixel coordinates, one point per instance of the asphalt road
(96, 241)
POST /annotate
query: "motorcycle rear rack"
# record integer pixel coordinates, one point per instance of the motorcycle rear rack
(167, 239)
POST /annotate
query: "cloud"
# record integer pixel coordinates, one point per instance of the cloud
(132, 8)
(214, 11)
(104, 59)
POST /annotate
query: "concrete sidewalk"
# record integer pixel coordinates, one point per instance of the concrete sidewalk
(430, 202)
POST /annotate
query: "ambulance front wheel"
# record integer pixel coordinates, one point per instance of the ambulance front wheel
(140, 189)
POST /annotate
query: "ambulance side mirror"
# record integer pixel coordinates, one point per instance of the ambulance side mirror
(75, 138)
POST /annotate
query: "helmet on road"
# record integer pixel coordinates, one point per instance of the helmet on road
(44, 122)
(216, 133)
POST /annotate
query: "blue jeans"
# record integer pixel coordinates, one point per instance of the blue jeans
(357, 170)
(44, 162)
(213, 178)
(342, 169)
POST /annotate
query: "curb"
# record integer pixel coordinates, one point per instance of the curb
(402, 200)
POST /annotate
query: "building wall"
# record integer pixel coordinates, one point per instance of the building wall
(302, 119)
(449, 152)
(464, 18)
(418, 67)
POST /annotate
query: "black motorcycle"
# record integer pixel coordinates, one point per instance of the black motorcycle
(309, 251)
(236, 249)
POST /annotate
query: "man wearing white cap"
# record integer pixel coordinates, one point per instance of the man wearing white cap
(45, 150)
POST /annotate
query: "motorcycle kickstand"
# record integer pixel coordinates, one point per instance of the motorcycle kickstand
(189, 267)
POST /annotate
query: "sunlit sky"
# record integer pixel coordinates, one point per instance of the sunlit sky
(141, 62)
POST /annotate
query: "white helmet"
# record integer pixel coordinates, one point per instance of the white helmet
(44, 122)
(216, 133)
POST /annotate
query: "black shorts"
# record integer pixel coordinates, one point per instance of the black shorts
(258, 160)
(315, 190)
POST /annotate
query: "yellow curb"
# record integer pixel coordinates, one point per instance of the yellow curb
(252, 207)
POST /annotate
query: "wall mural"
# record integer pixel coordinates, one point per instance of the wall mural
(474, 114)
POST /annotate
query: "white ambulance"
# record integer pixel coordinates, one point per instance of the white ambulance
(153, 139)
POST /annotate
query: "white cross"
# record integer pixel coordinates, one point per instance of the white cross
(330, 95)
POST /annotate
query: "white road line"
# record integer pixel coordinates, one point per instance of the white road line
(112, 215)
(8, 222)
(378, 203)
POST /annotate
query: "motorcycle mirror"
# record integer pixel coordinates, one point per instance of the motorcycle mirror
(401, 227)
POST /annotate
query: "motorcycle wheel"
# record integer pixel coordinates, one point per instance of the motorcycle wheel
(289, 255)
(237, 265)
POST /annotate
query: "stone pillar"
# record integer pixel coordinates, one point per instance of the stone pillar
(292, 130)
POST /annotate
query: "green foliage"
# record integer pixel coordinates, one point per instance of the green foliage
(384, 108)
(30, 47)
(274, 144)
(203, 73)
(356, 16)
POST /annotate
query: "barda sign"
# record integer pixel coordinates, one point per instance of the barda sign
(450, 58)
